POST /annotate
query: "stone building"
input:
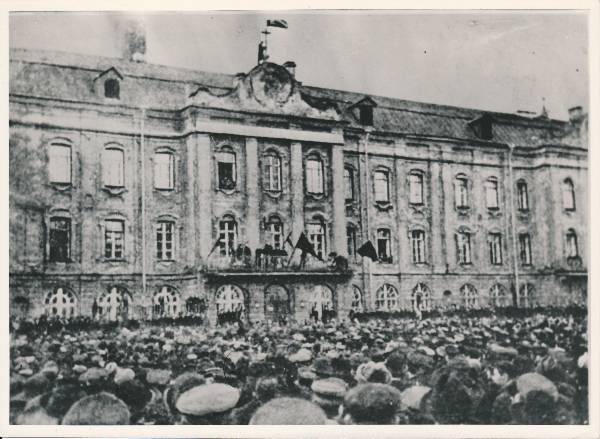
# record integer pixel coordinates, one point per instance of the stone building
(146, 190)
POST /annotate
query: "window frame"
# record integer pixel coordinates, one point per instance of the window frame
(568, 195)
(116, 88)
(522, 196)
(491, 185)
(269, 176)
(495, 248)
(525, 255)
(420, 181)
(572, 243)
(418, 247)
(231, 186)
(230, 234)
(109, 167)
(349, 192)
(461, 191)
(351, 241)
(271, 225)
(158, 174)
(161, 229)
(114, 235)
(376, 193)
(464, 247)
(53, 156)
(67, 244)
(385, 295)
(315, 184)
(313, 237)
(384, 234)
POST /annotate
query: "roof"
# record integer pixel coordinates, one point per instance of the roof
(70, 76)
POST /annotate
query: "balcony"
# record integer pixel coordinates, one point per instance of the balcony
(219, 266)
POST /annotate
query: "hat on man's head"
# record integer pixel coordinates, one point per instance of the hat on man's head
(98, 409)
(289, 411)
(207, 398)
(412, 397)
(372, 403)
(373, 372)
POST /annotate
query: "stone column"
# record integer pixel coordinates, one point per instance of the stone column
(297, 189)
(252, 213)
(204, 173)
(190, 228)
(339, 210)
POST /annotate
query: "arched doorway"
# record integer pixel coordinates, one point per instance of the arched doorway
(321, 302)
(114, 304)
(166, 303)
(229, 301)
(61, 303)
(277, 303)
(470, 296)
(421, 298)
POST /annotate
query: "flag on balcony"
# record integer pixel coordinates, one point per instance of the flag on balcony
(277, 23)
(305, 246)
(368, 250)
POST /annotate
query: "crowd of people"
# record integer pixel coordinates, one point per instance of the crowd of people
(444, 369)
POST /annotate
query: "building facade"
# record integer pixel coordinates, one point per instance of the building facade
(143, 190)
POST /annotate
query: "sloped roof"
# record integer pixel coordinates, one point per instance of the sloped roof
(70, 76)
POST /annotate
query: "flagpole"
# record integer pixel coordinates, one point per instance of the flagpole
(368, 190)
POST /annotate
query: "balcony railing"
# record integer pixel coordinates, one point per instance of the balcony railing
(273, 265)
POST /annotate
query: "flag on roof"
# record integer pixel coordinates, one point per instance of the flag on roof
(277, 23)
(304, 244)
(368, 250)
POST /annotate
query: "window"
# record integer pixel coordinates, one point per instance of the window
(415, 183)
(349, 184)
(165, 239)
(461, 191)
(114, 233)
(383, 245)
(114, 304)
(572, 247)
(526, 297)
(59, 164)
(314, 175)
(417, 242)
(421, 298)
(525, 248)
(491, 193)
(113, 162)
(463, 247)
(226, 169)
(167, 303)
(60, 239)
(316, 236)
(164, 170)
(386, 298)
(522, 196)
(495, 245)
(366, 115)
(275, 233)
(272, 175)
(111, 89)
(227, 236)
(356, 305)
(568, 195)
(229, 298)
(499, 296)
(351, 241)
(382, 186)
(60, 302)
(470, 296)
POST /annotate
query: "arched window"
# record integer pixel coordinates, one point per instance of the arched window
(386, 298)
(357, 304)
(272, 174)
(499, 296)
(167, 302)
(522, 196)
(59, 163)
(277, 303)
(381, 181)
(164, 170)
(491, 193)
(228, 236)
(274, 232)
(415, 187)
(314, 175)
(572, 246)
(384, 245)
(349, 183)
(114, 304)
(526, 298)
(461, 191)
(113, 163)
(470, 296)
(61, 303)
(568, 194)
(316, 236)
(226, 170)
(229, 298)
(112, 89)
(421, 297)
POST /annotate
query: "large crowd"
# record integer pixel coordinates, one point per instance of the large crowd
(446, 369)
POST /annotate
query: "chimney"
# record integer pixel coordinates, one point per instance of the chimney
(290, 67)
(134, 44)
(576, 114)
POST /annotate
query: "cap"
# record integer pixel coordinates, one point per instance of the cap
(289, 411)
(158, 376)
(534, 381)
(372, 402)
(412, 397)
(208, 398)
(98, 409)
(335, 387)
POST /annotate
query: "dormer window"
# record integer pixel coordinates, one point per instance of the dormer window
(112, 89)
(365, 111)
(483, 127)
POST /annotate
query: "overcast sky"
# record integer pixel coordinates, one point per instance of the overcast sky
(493, 61)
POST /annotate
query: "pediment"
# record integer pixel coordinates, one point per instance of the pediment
(110, 73)
(267, 88)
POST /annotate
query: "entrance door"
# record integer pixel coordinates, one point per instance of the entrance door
(277, 303)
(321, 301)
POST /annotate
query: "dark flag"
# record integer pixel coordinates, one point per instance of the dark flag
(288, 240)
(277, 23)
(306, 247)
(368, 250)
